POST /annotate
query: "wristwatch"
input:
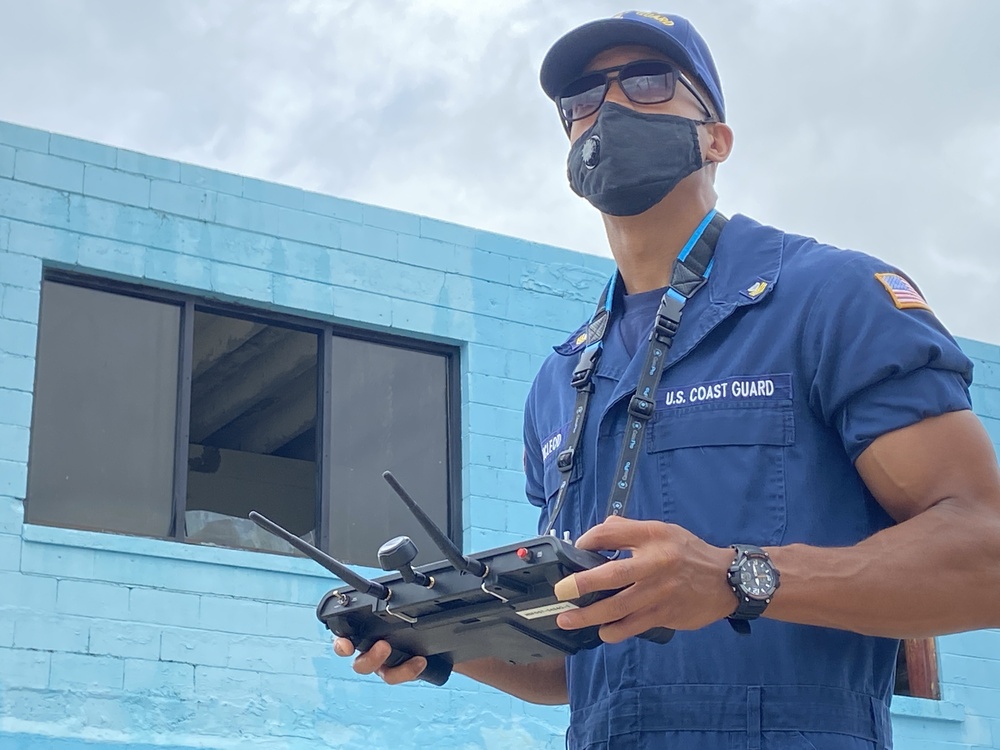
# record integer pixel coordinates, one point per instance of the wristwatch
(753, 579)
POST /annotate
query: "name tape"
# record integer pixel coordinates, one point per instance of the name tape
(553, 443)
(739, 388)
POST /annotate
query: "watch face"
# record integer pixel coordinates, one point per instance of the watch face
(757, 578)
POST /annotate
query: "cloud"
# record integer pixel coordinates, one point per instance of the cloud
(869, 125)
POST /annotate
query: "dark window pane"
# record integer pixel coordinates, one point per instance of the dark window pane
(253, 432)
(389, 411)
(102, 440)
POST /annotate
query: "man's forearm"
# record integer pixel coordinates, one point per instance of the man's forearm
(542, 682)
(938, 572)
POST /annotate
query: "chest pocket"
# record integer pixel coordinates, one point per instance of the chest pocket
(722, 469)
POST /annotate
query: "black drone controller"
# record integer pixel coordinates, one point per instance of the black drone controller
(497, 603)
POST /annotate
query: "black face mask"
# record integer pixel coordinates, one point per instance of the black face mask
(627, 161)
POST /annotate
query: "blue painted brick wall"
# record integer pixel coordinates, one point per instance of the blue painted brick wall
(112, 641)
(102, 624)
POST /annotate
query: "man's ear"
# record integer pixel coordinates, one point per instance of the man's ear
(718, 142)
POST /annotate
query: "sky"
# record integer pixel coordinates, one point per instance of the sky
(867, 124)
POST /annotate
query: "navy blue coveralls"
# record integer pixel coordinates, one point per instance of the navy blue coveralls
(787, 365)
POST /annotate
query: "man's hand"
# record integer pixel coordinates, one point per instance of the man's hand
(372, 661)
(673, 579)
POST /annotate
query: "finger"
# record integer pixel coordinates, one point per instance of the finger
(408, 671)
(343, 647)
(632, 625)
(566, 588)
(612, 609)
(611, 576)
(614, 533)
(372, 660)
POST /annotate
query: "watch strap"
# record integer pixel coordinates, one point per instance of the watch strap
(742, 627)
(747, 608)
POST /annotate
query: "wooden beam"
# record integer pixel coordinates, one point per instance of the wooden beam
(922, 667)
(229, 366)
(261, 378)
(291, 413)
(217, 336)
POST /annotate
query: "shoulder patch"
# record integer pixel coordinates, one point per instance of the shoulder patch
(904, 295)
(574, 343)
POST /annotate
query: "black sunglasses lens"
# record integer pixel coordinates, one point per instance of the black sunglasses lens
(583, 97)
(644, 82)
(649, 82)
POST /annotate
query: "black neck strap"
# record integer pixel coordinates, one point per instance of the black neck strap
(691, 271)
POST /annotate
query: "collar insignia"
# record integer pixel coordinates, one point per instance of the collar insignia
(756, 290)
(576, 341)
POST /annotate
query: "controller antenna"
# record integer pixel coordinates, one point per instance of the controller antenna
(461, 563)
(348, 576)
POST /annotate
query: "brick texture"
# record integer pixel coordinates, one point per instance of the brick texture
(146, 639)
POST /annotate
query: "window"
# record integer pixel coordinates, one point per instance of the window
(105, 412)
(384, 391)
(170, 417)
(252, 431)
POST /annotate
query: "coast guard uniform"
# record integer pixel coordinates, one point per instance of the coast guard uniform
(791, 360)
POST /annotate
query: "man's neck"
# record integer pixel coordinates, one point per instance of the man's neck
(646, 246)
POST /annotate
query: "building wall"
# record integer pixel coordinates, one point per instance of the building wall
(111, 641)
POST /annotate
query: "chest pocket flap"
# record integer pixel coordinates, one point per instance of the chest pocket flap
(706, 425)
(722, 469)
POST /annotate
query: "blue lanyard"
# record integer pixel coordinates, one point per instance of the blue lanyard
(691, 271)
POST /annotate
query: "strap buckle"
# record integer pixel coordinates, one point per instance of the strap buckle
(585, 368)
(641, 408)
(668, 319)
(564, 461)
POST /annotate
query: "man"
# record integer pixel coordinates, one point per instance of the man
(799, 481)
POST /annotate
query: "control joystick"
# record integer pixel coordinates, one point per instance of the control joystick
(399, 554)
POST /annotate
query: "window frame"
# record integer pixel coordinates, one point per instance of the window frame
(325, 332)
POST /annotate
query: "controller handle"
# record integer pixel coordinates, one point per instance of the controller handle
(437, 671)
(657, 635)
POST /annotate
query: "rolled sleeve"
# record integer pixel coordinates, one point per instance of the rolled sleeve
(878, 368)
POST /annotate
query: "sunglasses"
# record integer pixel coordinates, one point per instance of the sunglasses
(642, 81)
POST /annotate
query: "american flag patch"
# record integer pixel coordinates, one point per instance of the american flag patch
(903, 293)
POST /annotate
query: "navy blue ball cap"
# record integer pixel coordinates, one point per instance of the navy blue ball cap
(672, 35)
